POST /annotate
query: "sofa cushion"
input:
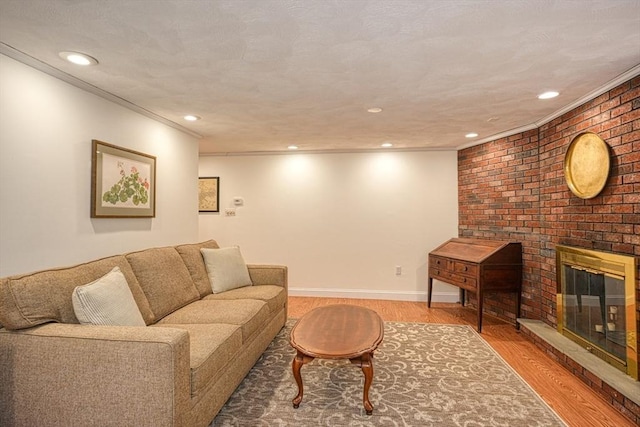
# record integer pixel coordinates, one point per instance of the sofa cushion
(192, 258)
(212, 346)
(45, 296)
(164, 279)
(274, 296)
(250, 315)
(106, 301)
(226, 268)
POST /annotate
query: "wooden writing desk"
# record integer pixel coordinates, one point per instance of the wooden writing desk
(478, 265)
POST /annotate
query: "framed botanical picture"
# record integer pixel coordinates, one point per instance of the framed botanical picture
(208, 191)
(123, 182)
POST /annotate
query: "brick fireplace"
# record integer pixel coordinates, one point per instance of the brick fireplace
(514, 188)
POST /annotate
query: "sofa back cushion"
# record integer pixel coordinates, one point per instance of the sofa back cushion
(45, 296)
(192, 258)
(164, 279)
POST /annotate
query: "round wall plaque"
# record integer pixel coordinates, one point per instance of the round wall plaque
(586, 165)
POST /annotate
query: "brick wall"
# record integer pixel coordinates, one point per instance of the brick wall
(498, 198)
(514, 188)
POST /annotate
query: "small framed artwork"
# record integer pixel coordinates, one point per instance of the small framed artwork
(123, 182)
(208, 191)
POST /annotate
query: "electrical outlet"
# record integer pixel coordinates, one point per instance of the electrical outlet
(398, 270)
(230, 212)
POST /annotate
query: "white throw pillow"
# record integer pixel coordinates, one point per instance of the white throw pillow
(107, 301)
(226, 269)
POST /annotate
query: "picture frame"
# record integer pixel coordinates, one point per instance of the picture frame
(209, 194)
(123, 182)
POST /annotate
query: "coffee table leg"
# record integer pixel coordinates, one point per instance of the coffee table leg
(297, 363)
(366, 363)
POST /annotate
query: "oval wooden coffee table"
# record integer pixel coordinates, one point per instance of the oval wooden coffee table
(337, 331)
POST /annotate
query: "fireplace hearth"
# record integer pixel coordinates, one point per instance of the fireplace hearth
(597, 305)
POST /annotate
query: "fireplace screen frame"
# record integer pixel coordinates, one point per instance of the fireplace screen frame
(619, 266)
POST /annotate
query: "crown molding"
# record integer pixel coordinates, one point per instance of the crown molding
(497, 136)
(325, 151)
(32, 62)
(626, 76)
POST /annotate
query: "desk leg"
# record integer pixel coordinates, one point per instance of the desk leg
(429, 287)
(480, 300)
(518, 301)
(297, 363)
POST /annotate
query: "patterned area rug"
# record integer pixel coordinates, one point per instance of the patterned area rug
(424, 375)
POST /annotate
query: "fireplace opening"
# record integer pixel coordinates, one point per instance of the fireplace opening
(597, 304)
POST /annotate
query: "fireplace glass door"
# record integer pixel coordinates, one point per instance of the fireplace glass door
(594, 309)
(596, 304)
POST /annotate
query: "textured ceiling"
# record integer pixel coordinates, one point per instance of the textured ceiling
(264, 74)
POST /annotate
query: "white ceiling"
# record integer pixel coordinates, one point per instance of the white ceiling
(264, 74)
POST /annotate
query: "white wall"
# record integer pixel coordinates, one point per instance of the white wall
(46, 128)
(340, 222)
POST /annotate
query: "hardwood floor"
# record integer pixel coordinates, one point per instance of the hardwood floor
(577, 404)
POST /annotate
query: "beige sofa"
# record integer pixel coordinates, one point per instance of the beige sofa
(179, 370)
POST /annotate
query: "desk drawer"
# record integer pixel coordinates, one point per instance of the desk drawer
(440, 268)
(440, 274)
(464, 282)
(437, 262)
(458, 273)
(453, 278)
(465, 268)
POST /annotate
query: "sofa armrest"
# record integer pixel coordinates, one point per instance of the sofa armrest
(64, 374)
(268, 274)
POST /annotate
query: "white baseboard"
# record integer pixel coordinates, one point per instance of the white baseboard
(452, 297)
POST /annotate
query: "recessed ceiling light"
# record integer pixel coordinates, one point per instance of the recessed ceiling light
(548, 95)
(191, 118)
(471, 135)
(386, 145)
(374, 109)
(78, 58)
(292, 147)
